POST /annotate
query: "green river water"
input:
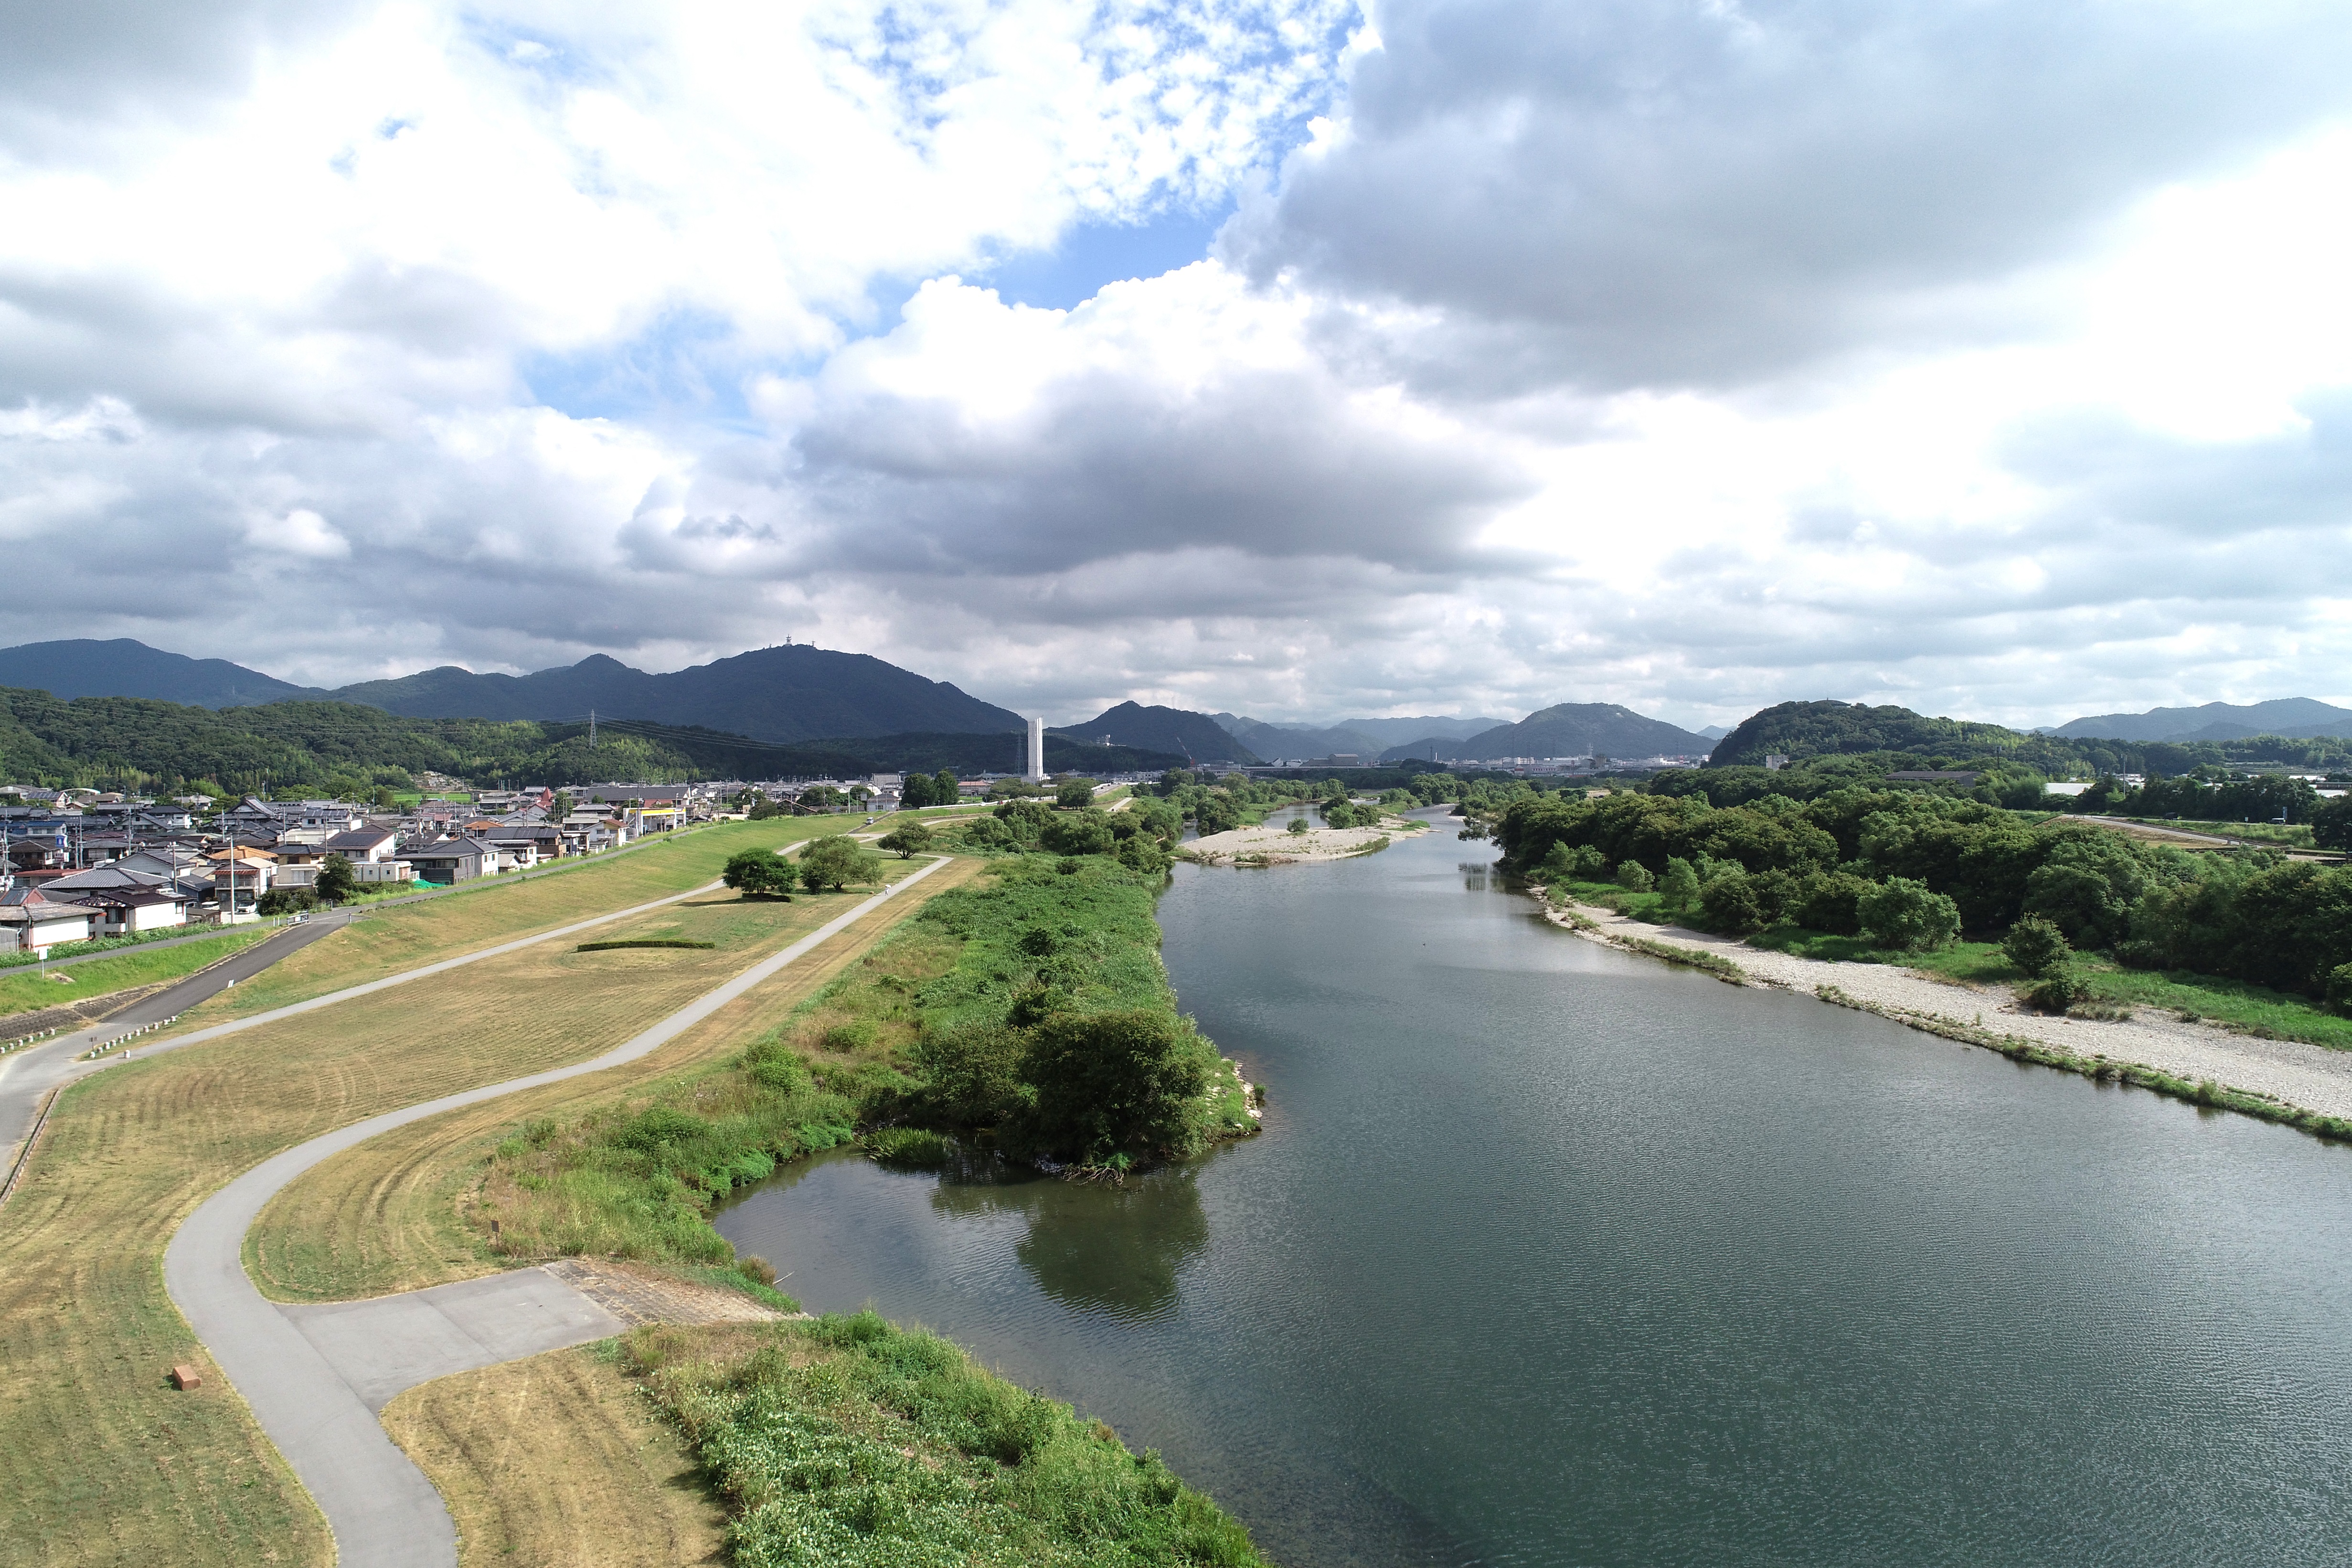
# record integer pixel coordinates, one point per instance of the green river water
(1551, 1255)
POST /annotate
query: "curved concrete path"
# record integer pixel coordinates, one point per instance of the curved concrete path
(382, 1512)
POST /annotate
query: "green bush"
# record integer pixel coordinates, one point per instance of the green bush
(1074, 794)
(1116, 1082)
(2057, 991)
(1829, 901)
(1086, 832)
(970, 1073)
(2036, 947)
(2339, 988)
(1679, 886)
(907, 839)
(1731, 903)
(1634, 877)
(1588, 864)
(1904, 917)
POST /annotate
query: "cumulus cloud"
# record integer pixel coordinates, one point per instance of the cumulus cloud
(1993, 358)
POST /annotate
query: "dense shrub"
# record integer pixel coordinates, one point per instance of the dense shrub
(1904, 916)
(1105, 1084)
(2057, 991)
(1679, 886)
(1634, 877)
(1829, 901)
(2339, 988)
(1086, 832)
(2036, 947)
(1731, 903)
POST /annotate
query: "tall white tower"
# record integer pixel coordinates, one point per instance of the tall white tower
(1037, 751)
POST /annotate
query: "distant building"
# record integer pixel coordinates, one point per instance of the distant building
(1776, 762)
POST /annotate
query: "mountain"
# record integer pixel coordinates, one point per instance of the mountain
(1366, 737)
(1802, 729)
(1174, 729)
(1712, 732)
(790, 694)
(2295, 717)
(122, 667)
(1568, 729)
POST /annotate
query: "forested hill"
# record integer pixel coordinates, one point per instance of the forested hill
(1165, 729)
(349, 750)
(1897, 738)
(789, 693)
(1802, 729)
(778, 695)
(1568, 729)
(340, 747)
(123, 667)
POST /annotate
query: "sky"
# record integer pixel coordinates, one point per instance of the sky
(1300, 359)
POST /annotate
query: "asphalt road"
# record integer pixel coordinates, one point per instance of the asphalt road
(381, 1509)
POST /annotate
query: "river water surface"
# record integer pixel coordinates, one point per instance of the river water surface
(1551, 1255)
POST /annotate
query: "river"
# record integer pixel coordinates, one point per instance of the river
(1549, 1254)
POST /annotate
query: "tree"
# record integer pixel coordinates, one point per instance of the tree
(2036, 947)
(337, 881)
(946, 790)
(561, 808)
(1297, 825)
(2339, 988)
(908, 838)
(820, 798)
(1216, 813)
(758, 873)
(1732, 904)
(2331, 823)
(1084, 833)
(1634, 877)
(1103, 1084)
(916, 792)
(1074, 794)
(1680, 885)
(1904, 916)
(838, 861)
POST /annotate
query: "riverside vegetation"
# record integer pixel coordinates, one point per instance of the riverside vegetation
(2246, 938)
(1028, 1012)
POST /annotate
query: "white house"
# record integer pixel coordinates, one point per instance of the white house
(30, 921)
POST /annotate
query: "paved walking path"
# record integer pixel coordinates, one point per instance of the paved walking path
(381, 1509)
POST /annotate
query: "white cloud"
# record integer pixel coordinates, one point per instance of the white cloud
(1993, 360)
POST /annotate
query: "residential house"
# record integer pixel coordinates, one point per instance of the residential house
(241, 875)
(450, 861)
(127, 912)
(30, 920)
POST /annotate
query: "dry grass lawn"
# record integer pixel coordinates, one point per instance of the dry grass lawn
(390, 1214)
(99, 1460)
(558, 1462)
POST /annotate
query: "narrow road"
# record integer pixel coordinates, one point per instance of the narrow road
(381, 1509)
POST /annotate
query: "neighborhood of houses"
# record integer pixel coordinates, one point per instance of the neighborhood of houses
(82, 865)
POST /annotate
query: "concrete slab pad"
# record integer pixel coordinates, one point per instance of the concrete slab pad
(384, 1347)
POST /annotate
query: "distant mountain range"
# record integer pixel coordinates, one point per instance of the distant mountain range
(122, 667)
(1168, 729)
(2297, 717)
(1568, 729)
(1364, 738)
(781, 694)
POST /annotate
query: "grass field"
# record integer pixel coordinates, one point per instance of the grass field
(99, 1460)
(390, 1214)
(559, 1461)
(29, 990)
(486, 913)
